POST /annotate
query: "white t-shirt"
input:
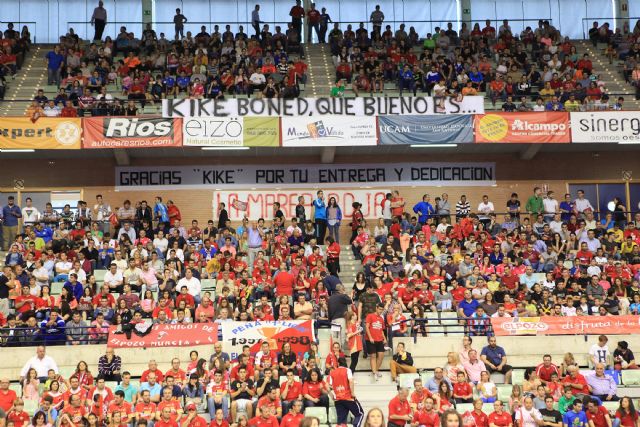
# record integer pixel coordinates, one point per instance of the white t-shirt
(113, 279)
(600, 354)
(528, 417)
(30, 215)
(193, 285)
(485, 208)
(386, 209)
(161, 244)
(550, 205)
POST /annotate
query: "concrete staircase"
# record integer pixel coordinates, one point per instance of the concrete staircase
(321, 70)
(28, 80)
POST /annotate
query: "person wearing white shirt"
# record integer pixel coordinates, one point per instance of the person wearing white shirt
(62, 268)
(484, 209)
(79, 272)
(599, 352)
(161, 243)
(582, 204)
(527, 415)
(556, 223)
(41, 363)
(550, 205)
(51, 109)
(113, 278)
(41, 274)
(120, 262)
(192, 283)
(30, 214)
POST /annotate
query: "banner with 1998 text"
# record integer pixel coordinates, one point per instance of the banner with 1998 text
(250, 177)
(298, 333)
(280, 107)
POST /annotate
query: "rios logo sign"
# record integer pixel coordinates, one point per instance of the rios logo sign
(124, 132)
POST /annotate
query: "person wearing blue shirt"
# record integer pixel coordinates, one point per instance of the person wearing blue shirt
(45, 233)
(576, 416)
(468, 305)
(183, 82)
(405, 80)
(424, 209)
(55, 62)
(160, 211)
(74, 287)
(320, 217)
(14, 257)
(11, 213)
(53, 329)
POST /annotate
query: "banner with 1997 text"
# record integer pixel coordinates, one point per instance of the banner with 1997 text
(250, 177)
(298, 333)
(297, 107)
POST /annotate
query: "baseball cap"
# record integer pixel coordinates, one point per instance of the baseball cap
(191, 407)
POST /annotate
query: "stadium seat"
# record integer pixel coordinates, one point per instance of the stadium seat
(612, 407)
(487, 408)
(464, 407)
(56, 288)
(319, 412)
(31, 406)
(504, 391)
(630, 377)
(406, 380)
(517, 376)
(99, 275)
(16, 387)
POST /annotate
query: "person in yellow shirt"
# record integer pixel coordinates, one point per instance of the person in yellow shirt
(572, 104)
(547, 93)
(213, 266)
(493, 284)
(627, 246)
(618, 235)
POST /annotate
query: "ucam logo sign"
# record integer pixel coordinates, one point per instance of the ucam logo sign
(395, 129)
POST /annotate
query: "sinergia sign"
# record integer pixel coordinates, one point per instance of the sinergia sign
(298, 107)
(304, 176)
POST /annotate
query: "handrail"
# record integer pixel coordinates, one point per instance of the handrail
(587, 20)
(13, 337)
(465, 322)
(20, 23)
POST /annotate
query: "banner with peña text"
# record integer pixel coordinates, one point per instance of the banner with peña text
(251, 177)
(574, 325)
(179, 335)
(298, 107)
(259, 204)
(47, 133)
(235, 335)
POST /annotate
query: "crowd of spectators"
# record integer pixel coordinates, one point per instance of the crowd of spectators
(13, 47)
(95, 78)
(538, 69)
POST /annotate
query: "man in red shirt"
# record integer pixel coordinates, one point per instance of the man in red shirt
(294, 417)
(75, 410)
(297, 13)
(597, 415)
(219, 420)
(498, 417)
(419, 395)
(145, 408)
(482, 420)
(376, 341)
(290, 390)
(265, 419)
(400, 412)
(271, 400)
(7, 396)
(546, 368)
(342, 385)
(313, 18)
(165, 419)
(168, 401)
(121, 406)
(426, 416)
(178, 374)
(284, 281)
(153, 367)
(192, 419)
(576, 381)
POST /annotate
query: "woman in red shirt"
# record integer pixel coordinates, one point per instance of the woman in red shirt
(332, 359)
(354, 339)
(315, 390)
(626, 413)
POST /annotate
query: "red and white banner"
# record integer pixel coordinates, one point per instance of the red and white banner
(235, 335)
(574, 325)
(185, 335)
(259, 203)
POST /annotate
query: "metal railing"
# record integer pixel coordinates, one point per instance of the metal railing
(32, 25)
(454, 325)
(25, 336)
(618, 22)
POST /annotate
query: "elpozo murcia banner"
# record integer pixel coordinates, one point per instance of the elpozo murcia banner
(130, 132)
(338, 131)
(613, 127)
(225, 177)
(231, 131)
(425, 130)
(46, 133)
(279, 107)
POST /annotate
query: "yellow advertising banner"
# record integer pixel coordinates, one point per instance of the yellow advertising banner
(47, 133)
(261, 132)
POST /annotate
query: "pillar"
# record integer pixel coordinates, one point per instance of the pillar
(147, 12)
(621, 10)
(465, 15)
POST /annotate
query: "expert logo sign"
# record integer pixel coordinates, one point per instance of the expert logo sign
(124, 132)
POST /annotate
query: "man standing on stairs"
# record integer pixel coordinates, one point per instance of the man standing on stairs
(297, 13)
(339, 303)
(367, 305)
(376, 341)
(99, 20)
(342, 386)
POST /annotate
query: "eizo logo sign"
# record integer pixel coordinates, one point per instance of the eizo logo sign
(137, 128)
